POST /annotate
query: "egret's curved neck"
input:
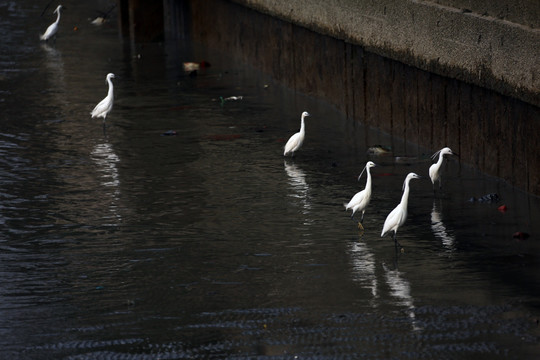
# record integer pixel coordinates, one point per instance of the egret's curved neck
(368, 181)
(57, 17)
(405, 196)
(110, 93)
(441, 157)
(302, 125)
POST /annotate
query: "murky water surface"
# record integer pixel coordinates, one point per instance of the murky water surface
(208, 243)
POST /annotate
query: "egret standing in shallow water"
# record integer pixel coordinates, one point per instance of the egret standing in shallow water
(296, 141)
(105, 106)
(360, 200)
(435, 169)
(53, 28)
(398, 216)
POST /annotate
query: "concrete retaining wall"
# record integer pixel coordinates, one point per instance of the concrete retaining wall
(494, 133)
(443, 37)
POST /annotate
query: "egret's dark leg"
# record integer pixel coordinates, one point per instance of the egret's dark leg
(396, 255)
(395, 241)
(360, 226)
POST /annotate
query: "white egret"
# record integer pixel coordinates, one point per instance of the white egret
(397, 217)
(435, 169)
(53, 28)
(360, 200)
(105, 105)
(296, 141)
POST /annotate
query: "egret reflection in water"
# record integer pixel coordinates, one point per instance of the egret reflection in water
(55, 68)
(54, 60)
(400, 289)
(297, 181)
(439, 229)
(363, 268)
(106, 160)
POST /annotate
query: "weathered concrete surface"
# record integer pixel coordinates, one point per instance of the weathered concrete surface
(524, 12)
(492, 43)
(140, 20)
(494, 133)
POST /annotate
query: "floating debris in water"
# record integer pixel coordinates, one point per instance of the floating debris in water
(103, 17)
(233, 98)
(520, 235)
(194, 66)
(100, 20)
(169, 133)
(502, 208)
(489, 198)
(379, 150)
(230, 98)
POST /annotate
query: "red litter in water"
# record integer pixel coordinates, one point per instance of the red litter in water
(502, 208)
(520, 235)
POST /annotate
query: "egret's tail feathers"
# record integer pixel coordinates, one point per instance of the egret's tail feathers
(346, 206)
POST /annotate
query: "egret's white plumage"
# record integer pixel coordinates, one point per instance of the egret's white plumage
(360, 200)
(53, 28)
(105, 105)
(296, 141)
(435, 169)
(397, 217)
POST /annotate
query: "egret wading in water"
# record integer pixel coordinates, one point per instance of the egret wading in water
(105, 106)
(53, 28)
(360, 200)
(435, 169)
(397, 217)
(296, 141)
